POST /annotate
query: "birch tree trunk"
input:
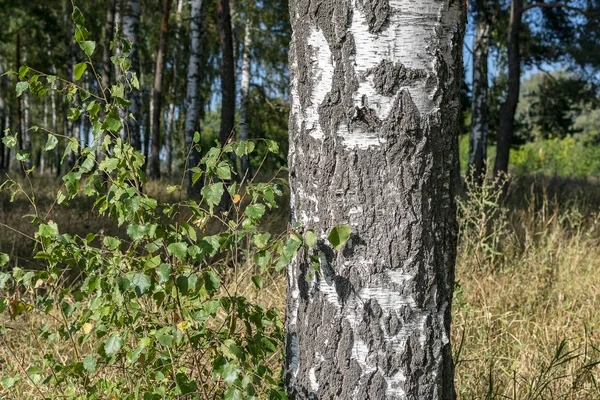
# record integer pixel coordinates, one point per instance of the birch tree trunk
(373, 125)
(227, 72)
(509, 107)
(171, 109)
(192, 98)
(156, 106)
(107, 65)
(131, 27)
(244, 91)
(2, 115)
(479, 105)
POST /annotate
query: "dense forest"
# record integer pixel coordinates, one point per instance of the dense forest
(154, 152)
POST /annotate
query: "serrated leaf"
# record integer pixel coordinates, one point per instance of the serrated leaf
(21, 87)
(113, 344)
(4, 259)
(262, 240)
(339, 236)
(77, 16)
(10, 141)
(79, 70)
(141, 283)
(48, 230)
(230, 372)
(112, 122)
(164, 273)
(272, 146)
(50, 143)
(23, 155)
(179, 250)
(89, 364)
(213, 193)
(310, 238)
(224, 170)
(257, 280)
(255, 211)
(88, 47)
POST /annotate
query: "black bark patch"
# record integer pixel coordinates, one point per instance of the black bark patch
(388, 77)
(365, 119)
(377, 13)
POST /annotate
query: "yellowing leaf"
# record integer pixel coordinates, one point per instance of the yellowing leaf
(236, 198)
(182, 326)
(87, 328)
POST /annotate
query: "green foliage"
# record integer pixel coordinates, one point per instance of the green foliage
(558, 157)
(155, 313)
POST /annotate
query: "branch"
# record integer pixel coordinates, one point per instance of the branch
(565, 6)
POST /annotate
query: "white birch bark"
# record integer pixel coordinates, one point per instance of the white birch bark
(373, 125)
(131, 26)
(192, 99)
(244, 92)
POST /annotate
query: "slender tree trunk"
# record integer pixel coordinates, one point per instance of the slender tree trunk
(19, 99)
(479, 105)
(509, 107)
(109, 29)
(171, 110)
(192, 99)
(227, 72)
(55, 128)
(373, 125)
(131, 26)
(2, 115)
(27, 143)
(244, 98)
(156, 105)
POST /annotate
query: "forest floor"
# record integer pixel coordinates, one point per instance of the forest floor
(525, 317)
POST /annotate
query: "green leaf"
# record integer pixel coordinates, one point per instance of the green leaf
(50, 143)
(211, 281)
(257, 280)
(112, 122)
(255, 211)
(262, 258)
(165, 337)
(4, 259)
(77, 16)
(224, 170)
(233, 394)
(23, 70)
(310, 238)
(229, 372)
(79, 70)
(89, 363)
(113, 344)
(73, 114)
(10, 141)
(196, 137)
(23, 155)
(339, 236)
(213, 193)
(88, 47)
(179, 250)
(272, 146)
(141, 283)
(138, 232)
(48, 230)
(164, 273)
(4, 277)
(21, 87)
(9, 381)
(112, 243)
(262, 240)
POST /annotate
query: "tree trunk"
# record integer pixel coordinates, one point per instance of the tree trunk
(107, 65)
(509, 107)
(192, 99)
(55, 128)
(373, 125)
(171, 110)
(156, 105)
(2, 115)
(479, 105)
(244, 92)
(131, 27)
(227, 72)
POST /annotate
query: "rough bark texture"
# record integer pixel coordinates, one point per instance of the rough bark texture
(375, 107)
(227, 72)
(131, 28)
(479, 104)
(2, 116)
(192, 99)
(509, 107)
(244, 91)
(156, 106)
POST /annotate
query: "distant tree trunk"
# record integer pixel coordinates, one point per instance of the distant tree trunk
(109, 29)
(2, 115)
(375, 111)
(20, 132)
(55, 128)
(156, 106)
(131, 27)
(171, 109)
(227, 72)
(193, 96)
(509, 107)
(479, 105)
(244, 98)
